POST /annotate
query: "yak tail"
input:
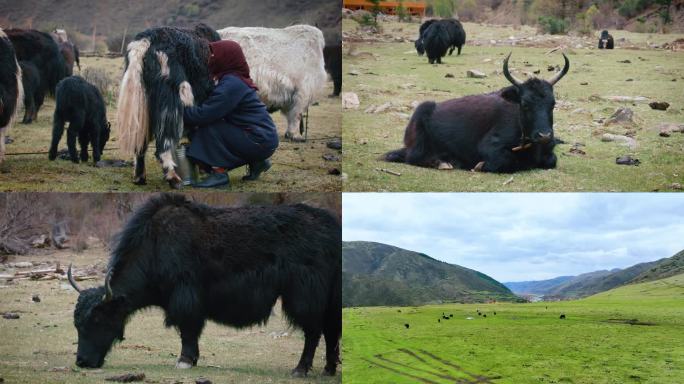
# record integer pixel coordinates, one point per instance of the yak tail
(415, 134)
(132, 116)
(396, 156)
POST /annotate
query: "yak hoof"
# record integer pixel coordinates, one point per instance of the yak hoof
(294, 137)
(299, 372)
(328, 372)
(444, 165)
(478, 167)
(140, 181)
(183, 363)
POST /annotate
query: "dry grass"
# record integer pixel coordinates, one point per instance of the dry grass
(393, 72)
(296, 166)
(44, 338)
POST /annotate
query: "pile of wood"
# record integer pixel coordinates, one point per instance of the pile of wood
(26, 270)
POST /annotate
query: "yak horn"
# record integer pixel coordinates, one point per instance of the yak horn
(562, 73)
(508, 75)
(108, 288)
(72, 281)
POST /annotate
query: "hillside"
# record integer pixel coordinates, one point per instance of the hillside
(665, 268)
(112, 17)
(587, 284)
(380, 274)
(539, 287)
(669, 289)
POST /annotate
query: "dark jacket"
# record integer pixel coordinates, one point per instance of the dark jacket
(234, 127)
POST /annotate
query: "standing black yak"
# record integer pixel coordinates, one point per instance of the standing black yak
(454, 29)
(504, 131)
(30, 79)
(42, 51)
(229, 265)
(11, 89)
(605, 40)
(165, 70)
(81, 104)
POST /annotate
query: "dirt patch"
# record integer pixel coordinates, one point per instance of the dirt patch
(630, 322)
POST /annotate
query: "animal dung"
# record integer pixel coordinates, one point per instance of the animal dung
(36, 299)
(627, 160)
(127, 378)
(659, 105)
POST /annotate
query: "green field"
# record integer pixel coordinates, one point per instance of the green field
(296, 166)
(633, 334)
(390, 71)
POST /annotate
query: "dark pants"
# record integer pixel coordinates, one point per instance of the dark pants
(226, 146)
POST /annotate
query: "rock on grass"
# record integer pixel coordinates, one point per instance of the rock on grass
(659, 105)
(476, 74)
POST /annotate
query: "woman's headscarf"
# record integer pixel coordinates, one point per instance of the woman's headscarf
(227, 59)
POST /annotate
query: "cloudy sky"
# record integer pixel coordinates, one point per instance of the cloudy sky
(516, 237)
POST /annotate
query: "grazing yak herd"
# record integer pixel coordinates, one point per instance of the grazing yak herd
(229, 265)
(165, 69)
(505, 131)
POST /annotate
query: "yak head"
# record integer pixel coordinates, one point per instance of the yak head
(99, 319)
(420, 48)
(536, 100)
(105, 135)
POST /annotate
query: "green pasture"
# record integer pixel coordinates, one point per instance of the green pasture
(632, 334)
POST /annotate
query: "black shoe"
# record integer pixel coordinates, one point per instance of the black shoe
(214, 180)
(256, 169)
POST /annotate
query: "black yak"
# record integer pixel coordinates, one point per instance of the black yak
(228, 265)
(165, 70)
(42, 51)
(30, 79)
(81, 104)
(505, 131)
(454, 29)
(605, 40)
(11, 89)
(332, 55)
(562, 316)
(436, 41)
(407, 325)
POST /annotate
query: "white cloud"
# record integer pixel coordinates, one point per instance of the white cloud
(522, 236)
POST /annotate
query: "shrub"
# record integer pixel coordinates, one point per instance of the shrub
(552, 25)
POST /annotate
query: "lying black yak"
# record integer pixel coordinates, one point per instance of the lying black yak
(81, 104)
(229, 265)
(505, 131)
(165, 70)
(605, 41)
(40, 49)
(11, 89)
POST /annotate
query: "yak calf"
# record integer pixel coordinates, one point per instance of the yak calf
(81, 104)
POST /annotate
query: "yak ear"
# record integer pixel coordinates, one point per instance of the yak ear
(511, 94)
(112, 307)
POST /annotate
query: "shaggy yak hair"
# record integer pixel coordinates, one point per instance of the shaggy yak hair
(81, 104)
(11, 89)
(30, 79)
(165, 70)
(454, 28)
(288, 67)
(437, 41)
(40, 49)
(606, 41)
(228, 265)
(504, 131)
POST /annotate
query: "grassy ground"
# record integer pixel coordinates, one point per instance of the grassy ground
(296, 166)
(44, 338)
(388, 71)
(524, 343)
